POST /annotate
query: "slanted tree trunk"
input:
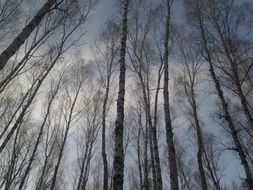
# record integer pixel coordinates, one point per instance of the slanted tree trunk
(212, 170)
(40, 135)
(26, 32)
(168, 125)
(19, 120)
(224, 104)
(118, 164)
(62, 146)
(200, 141)
(234, 69)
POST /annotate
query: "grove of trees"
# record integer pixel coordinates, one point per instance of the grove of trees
(163, 101)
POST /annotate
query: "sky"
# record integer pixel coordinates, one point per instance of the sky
(104, 10)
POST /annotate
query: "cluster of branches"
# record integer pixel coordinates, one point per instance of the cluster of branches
(42, 82)
(57, 110)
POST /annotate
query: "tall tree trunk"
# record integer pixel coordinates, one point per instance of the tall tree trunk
(149, 130)
(154, 151)
(234, 70)
(154, 134)
(105, 182)
(26, 32)
(212, 173)
(151, 149)
(168, 125)
(68, 125)
(32, 158)
(139, 153)
(146, 181)
(200, 141)
(8, 178)
(19, 120)
(118, 164)
(181, 170)
(228, 118)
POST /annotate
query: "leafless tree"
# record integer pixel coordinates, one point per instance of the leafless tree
(140, 53)
(75, 80)
(168, 123)
(20, 39)
(118, 163)
(106, 50)
(197, 7)
(90, 127)
(187, 86)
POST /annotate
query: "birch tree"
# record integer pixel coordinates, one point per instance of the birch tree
(201, 25)
(26, 32)
(187, 85)
(118, 163)
(106, 50)
(168, 123)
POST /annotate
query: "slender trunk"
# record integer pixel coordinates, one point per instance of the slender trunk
(212, 173)
(153, 168)
(39, 184)
(20, 117)
(87, 167)
(232, 128)
(17, 109)
(168, 125)
(59, 160)
(154, 134)
(154, 152)
(26, 32)
(234, 70)
(68, 125)
(146, 181)
(149, 131)
(139, 148)
(80, 180)
(139, 160)
(242, 98)
(184, 177)
(27, 171)
(29, 102)
(15, 71)
(118, 163)
(8, 179)
(200, 141)
(104, 156)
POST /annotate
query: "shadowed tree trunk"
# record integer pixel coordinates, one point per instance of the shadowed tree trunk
(118, 164)
(168, 125)
(20, 39)
(154, 132)
(224, 104)
(200, 142)
(105, 185)
(228, 41)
